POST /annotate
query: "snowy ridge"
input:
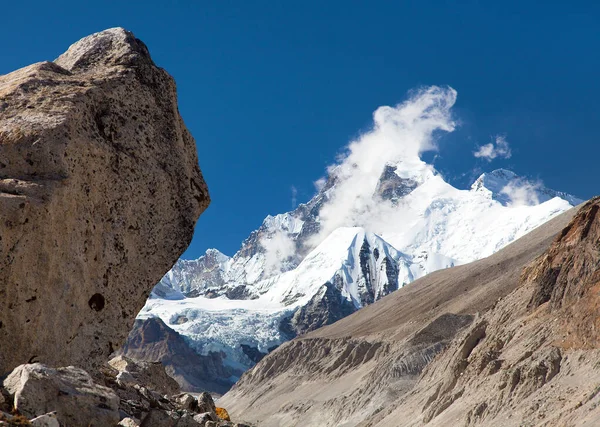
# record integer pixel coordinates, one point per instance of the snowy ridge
(224, 325)
(381, 219)
(229, 305)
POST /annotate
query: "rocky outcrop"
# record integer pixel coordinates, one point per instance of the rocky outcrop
(150, 374)
(151, 340)
(324, 308)
(99, 192)
(37, 389)
(392, 187)
(76, 400)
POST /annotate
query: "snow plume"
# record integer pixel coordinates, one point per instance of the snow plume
(294, 197)
(522, 193)
(496, 149)
(278, 248)
(399, 135)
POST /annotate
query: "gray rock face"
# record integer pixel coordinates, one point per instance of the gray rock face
(393, 187)
(78, 401)
(100, 190)
(46, 420)
(152, 341)
(326, 307)
(148, 374)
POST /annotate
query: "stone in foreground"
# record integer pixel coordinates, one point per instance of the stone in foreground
(149, 374)
(70, 391)
(100, 190)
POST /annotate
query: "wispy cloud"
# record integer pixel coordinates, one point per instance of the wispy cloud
(294, 197)
(399, 135)
(278, 247)
(522, 193)
(498, 148)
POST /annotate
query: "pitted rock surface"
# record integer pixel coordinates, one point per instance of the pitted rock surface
(100, 190)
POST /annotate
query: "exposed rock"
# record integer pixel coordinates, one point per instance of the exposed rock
(186, 401)
(206, 403)
(128, 422)
(46, 420)
(392, 187)
(99, 192)
(148, 374)
(203, 418)
(71, 392)
(189, 420)
(153, 341)
(158, 418)
(326, 307)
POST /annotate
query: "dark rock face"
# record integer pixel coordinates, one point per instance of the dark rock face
(100, 190)
(151, 340)
(392, 187)
(326, 307)
(253, 353)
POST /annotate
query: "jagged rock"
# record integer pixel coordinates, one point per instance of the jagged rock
(148, 374)
(392, 187)
(206, 403)
(204, 417)
(188, 420)
(186, 401)
(129, 422)
(70, 391)
(100, 190)
(324, 308)
(46, 420)
(158, 418)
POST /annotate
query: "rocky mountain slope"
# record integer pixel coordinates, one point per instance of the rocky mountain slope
(100, 190)
(150, 339)
(240, 308)
(509, 340)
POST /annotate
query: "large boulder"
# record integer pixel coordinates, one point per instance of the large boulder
(71, 392)
(100, 190)
(149, 374)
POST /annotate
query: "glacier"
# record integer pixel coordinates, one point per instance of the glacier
(230, 304)
(380, 219)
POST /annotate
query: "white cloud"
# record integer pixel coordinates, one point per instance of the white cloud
(278, 247)
(320, 183)
(522, 193)
(496, 149)
(399, 134)
(294, 197)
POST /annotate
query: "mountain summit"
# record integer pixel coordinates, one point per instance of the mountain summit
(286, 281)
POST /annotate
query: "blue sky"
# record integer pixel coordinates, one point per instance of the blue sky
(272, 91)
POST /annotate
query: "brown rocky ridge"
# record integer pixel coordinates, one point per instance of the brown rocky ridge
(100, 190)
(510, 340)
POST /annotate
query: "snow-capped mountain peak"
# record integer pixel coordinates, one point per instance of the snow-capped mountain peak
(382, 218)
(507, 188)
